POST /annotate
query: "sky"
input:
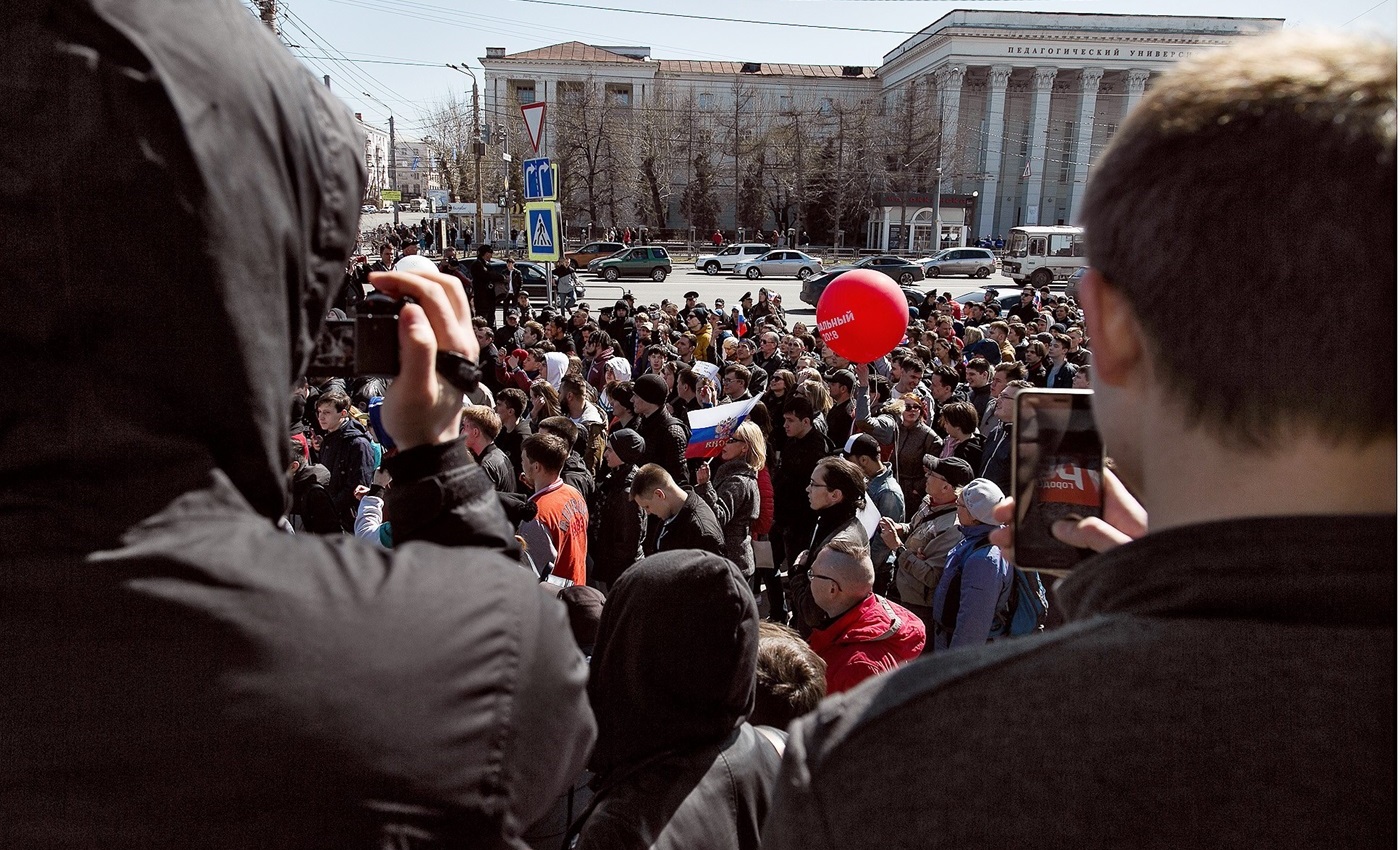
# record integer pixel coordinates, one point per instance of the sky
(397, 50)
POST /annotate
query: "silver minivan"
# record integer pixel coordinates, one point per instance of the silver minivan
(973, 262)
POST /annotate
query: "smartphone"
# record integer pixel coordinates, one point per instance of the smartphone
(1056, 473)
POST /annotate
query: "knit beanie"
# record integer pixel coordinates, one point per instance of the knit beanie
(650, 389)
(628, 444)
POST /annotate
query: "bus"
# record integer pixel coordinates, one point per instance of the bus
(1043, 254)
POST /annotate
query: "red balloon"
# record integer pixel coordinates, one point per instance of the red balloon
(862, 315)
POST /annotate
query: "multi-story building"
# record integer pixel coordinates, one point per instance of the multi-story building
(998, 114)
(415, 169)
(376, 149)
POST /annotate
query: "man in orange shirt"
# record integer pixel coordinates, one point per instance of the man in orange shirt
(557, 538)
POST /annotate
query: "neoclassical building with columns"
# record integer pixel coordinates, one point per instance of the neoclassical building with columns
(1025, 102)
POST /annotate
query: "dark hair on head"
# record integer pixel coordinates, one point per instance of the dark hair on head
(1037, 348)
(961, 415)
(687, 378)
(602, 338)
(945, 376)
(298, 453)
(564, 345)
(1014, 370)
(548, 450)
(340, 401)
(844, 477)
(791, 677)
(620, 394)
(560, 426)
(515, 399)
(738, 370)
(759, 416)
(979, 365)
(799, 405)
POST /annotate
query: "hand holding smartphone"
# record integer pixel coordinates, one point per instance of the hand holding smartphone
(1056, 473)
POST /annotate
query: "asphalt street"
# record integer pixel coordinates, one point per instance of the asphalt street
(686, 278)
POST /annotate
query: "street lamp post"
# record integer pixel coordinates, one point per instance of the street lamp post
(393, 152)
(938, 212)
(478, 147)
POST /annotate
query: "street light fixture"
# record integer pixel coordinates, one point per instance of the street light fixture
(393, 151)
(477, 147)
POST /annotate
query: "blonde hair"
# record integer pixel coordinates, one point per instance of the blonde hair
(817, 393)
(752, 435)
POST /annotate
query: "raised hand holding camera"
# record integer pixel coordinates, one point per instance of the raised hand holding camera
(421, 407)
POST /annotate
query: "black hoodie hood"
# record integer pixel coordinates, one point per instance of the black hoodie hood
(159, 350)
(673, 666)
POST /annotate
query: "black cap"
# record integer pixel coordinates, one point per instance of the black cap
(954, 470)
(691, 294)
(628, 444)
(747, 296)
(844, 377)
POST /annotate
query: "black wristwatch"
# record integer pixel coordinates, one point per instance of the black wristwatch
(458, 371)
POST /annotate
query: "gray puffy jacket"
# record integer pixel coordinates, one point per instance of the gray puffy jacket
(733, 495)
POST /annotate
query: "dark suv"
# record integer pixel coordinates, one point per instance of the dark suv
(641, 261)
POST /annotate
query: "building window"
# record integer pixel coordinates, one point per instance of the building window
(824, 107)
(620, 95)
(785, 103)
(1067, 160)
(525, 93)
(570, 93)
(707, 100)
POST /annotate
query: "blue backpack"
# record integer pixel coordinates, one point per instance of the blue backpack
(1026, 610)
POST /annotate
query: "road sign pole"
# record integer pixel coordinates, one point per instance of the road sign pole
(549, 283)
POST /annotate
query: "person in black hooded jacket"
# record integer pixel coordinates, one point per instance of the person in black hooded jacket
(616, 522)
(180, 672)
(672, 685)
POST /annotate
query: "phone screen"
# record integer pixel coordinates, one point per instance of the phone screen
(1057, 473)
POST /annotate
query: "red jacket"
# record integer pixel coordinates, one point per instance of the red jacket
(874, 637)
(764, 523)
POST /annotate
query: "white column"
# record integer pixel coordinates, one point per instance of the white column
(1137, 83)
(996, 128)
(949, 81)
(1040, 125)
(1088, 100)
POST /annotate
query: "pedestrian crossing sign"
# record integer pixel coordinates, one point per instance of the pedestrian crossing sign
(541, 227)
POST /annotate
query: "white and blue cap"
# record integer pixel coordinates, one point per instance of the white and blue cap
(980, 497)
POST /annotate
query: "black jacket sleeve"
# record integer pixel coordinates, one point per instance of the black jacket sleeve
(440, 495)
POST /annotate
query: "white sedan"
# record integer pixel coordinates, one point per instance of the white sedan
(781, 263)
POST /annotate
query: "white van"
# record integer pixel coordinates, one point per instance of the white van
(1043, 254)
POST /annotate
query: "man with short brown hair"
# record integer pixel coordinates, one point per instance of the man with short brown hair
(480, 426)
(1227, 667)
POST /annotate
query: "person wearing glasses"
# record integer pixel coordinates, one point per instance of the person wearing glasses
(864, 634)
(836, 494)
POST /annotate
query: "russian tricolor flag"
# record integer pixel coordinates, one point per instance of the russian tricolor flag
(741, 325)
(710, 427)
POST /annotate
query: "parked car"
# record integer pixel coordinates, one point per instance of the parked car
(731, 255)
(780, 264)
(1006, 296)
(642, 261)
(593, 251)
(901, 270)
(531, 278)
(973, 262)
(1072, 285)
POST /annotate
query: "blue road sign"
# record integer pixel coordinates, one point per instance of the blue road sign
(539, 179)
(541, 232)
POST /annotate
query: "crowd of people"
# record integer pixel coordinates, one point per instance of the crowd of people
(614, 389)
(498, 600)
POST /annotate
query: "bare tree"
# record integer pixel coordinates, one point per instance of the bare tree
(448, 135)
(585, 120)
